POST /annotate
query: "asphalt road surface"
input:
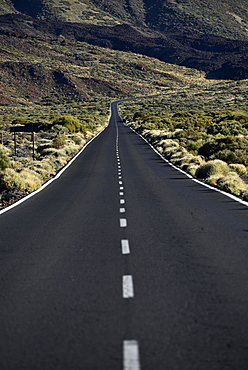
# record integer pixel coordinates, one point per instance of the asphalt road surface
(124, 262)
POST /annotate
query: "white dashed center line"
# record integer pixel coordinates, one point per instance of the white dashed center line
(127, 286)
(123, 222)
(131, 359)
(125, 246)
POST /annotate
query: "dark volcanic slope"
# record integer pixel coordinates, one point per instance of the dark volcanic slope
(219, 57)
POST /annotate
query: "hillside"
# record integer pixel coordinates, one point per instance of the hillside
(223, 18)
(217, 56)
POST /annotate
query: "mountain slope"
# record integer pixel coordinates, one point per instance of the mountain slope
(220, 17)
(223, 18)
(219, 57)
(162, 30)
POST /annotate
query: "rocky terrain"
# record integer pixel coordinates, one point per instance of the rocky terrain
(219, 57)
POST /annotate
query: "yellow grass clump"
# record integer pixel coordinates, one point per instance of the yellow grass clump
(26, 180)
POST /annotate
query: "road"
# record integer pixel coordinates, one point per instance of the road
(124, 262)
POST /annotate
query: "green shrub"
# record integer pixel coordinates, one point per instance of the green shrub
(78, 140)
(227, 128)
(232, 183)
(59, 142)
(191, 169)
(220, 145)
(70, 122)
(59, 129)
(212, 180)
(4, 159)
(225, 155)
(211, 168)
(239, 168)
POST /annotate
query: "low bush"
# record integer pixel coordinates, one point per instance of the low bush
(215, 167)
(191, 169)
(239, 168)
(232, 183)
(168, 143)
(212, 180)
(26, 180)
(4, 158)
(59, 142)
(70, 122)
(78, 140)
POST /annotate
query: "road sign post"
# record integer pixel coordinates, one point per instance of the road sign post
(29, 127)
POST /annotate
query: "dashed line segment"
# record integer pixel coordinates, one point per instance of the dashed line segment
(131, 359)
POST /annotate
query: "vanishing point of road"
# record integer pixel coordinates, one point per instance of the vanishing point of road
(123, 262)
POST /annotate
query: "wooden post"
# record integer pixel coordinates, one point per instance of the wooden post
(33, 138)
(15, 141)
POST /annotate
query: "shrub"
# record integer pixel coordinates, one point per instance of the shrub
(212, 180)
(225, 155)
(4, 159)
(227, 128)
(224, 146)
(169, 151)
(78, 140)
(239, 168)
(191, 169)
(70, 122)
(211, 168)
(59, 129)
(245, 195)
(10, 178)
(59, 142)
(168, 143)
(31, 180)
(232, 183)
(26, 180)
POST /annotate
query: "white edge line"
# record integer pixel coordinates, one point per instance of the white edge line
(51, 180)
(131, 359)
(190, 176)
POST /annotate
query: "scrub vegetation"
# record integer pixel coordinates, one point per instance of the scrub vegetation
(211, 144)
(58, 140)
